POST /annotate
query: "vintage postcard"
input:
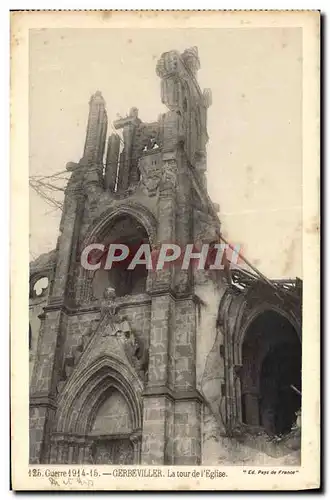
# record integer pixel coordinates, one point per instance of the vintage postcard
(165, 250)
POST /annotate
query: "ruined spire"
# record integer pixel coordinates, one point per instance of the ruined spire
(96, 130)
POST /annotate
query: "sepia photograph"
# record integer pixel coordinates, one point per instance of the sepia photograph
(167, 206)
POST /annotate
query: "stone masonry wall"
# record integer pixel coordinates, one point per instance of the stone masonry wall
(79, 325)
(187, 427)
(185, 344)
(157, 417)
(138, 317)
(37, 425)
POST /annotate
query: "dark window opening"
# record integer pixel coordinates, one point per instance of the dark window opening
(128, 282)
(279, 402)
(129, 232)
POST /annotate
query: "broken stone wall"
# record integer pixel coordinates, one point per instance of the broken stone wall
(247, 446)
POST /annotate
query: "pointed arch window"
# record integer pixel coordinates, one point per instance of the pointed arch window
(125, 231)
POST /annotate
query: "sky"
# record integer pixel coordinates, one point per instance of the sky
(254, 123)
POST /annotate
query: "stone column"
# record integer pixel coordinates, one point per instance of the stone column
(54, 452)
(71, 453)
(136, 442)
(112, 162)
(238, 392)
(124, 173)
(63, 451)
(128, 124)
(88, 454)
(81, 452)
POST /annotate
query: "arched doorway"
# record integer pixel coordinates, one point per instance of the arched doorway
(271, 373)
(99, 415)
(111, 430)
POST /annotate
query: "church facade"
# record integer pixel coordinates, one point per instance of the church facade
(161, 367)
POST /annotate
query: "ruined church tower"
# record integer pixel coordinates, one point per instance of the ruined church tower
(135, 367)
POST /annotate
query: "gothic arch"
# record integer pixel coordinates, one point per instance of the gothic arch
(241, 329)
(268, 349)
(100, 226)
(85, 392)
(98, 231)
